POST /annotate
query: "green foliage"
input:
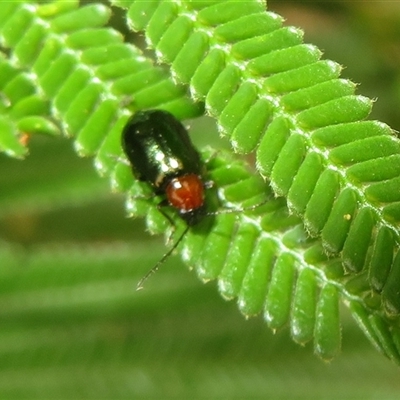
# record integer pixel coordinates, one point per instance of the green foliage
(295, 99)
(329, 236)
(272, 93)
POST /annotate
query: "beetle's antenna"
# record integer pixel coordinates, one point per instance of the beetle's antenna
(162, 260)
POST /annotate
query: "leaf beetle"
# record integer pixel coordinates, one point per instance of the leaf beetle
(160, 153)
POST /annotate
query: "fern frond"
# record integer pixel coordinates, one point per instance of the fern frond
(273, 94)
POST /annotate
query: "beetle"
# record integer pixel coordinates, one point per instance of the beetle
(160, 153)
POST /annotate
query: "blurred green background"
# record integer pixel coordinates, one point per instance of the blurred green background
(72, 325)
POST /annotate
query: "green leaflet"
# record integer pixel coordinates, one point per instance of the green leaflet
(23, 110)
(85, 72)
